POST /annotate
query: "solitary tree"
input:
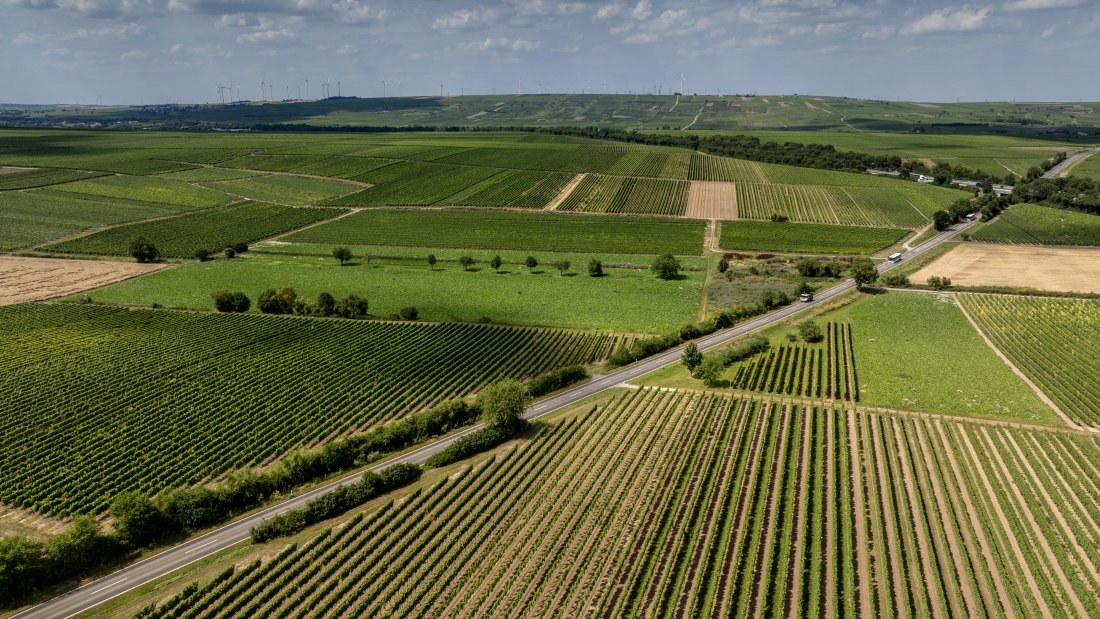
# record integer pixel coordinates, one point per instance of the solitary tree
(495, 263)
(562, 266)
(810, 331)
(502, 404)
(864, 272)
(343, 254)
(431, 261)
(710, 370)
(692, 357)
(143, 251)
(666, 267)
(530, 262)
(723, 265)
(595, 268)
(466, 262)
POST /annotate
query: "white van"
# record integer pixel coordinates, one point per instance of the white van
(895, 257)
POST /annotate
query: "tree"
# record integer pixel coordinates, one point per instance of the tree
(939, 283)
(723, 265)
(502, 404)
(143, 251)
(202, 255)
(409, 313)
(692, 357)
(530, 262)
(710, 370)
(240, 248)
(343, 254)
(495, 263)
(280, 301)
(326, 304)
(225, 301)
(352, 306)
(595, 268)
(987, 185)
(780, 218)
(431, 261)
(941, 220)
(809, 331)
(230, 252)
(137, 521)
(666, 267)
(466, 262)
(562, 266)
(864, 272)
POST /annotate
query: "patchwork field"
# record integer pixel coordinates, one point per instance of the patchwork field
(679, 503)
(35, 279)
(711, 200)
(1053, 341)
(1059, 269)
(1039, 225)
(30, 218)
(508, 230)
(90, 397)
(806, 238)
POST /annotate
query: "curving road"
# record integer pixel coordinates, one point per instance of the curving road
(1062, 169)
(147, 570)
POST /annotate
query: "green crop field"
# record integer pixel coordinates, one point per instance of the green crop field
(678, 503)
(292, 190)
(1089, 168)
(1040, 225)
(98, 400)
(620, 194)
(149, 189)
(1053, 341)
(34, 217)
(212, 230)
(28, 179)
(903, 205)
(918, 351)
(509, 230)
(806, 238)
(625, 300)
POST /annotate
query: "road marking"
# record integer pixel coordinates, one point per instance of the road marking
(117, 582)
(187, 552)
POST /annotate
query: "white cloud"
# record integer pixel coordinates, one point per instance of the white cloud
(354, 12)
(346, 50)
(1039, 5)
(24, 38)
(879, 33)
(504, 44)
(949, 20)
(121, 32)
(282, 36)
(642, 10)
(762, 41)
(463, 18)
(133, 54)
(1049, 32)
(608, 11)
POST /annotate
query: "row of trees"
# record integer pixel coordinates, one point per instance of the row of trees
(144, 251)
(287, 301)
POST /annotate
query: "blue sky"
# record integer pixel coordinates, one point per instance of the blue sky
(149, 51)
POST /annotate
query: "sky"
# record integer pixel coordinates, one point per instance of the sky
(162, 51)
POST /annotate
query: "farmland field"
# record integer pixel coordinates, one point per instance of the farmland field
(35, 279)
(1059, 269)
(281, 189)
(212, 230)
(157, 190)
(616, 194)
(826, 370)
(1053, 341)
(1040, 225)
(34, 217)
(92, 397)
(1089, 168)
(27, 179)
(508, 230)
(622, 300)
(806, 238)
(680, 503)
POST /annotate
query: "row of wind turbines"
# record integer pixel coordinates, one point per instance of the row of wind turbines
(267, 91)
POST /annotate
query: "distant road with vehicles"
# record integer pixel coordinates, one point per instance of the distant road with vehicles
(1063, 168)
(157, 566)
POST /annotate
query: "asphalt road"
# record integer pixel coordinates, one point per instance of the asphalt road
(1062, 168)
(147, 570)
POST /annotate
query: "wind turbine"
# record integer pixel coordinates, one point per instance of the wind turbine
(339, 91)
(221, 93)
(307, 88)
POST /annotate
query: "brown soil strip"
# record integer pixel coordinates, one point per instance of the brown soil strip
(565, 191)
(37, 279)
(712, 200)
(1015, 370)
(1058, 269)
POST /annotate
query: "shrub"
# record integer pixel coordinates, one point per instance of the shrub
(467, 262)
(666, 267)
(710, 370)
(471, 444)
(939, 283)
(555, 380)
(143, 251)
(240, 248)
(352, 306)
(780, 218)
(895, 280)
(277, 301)
(530, 262)
(809, 331)
(226, 301)
(595, 268)
(409, 313)
(723, 265)
(202, 255)
(230, 252)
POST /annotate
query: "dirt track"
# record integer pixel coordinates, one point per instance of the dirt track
(1061, 269)
(35, 279)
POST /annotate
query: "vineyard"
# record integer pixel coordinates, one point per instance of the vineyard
(1053, 341)
(621, 194)
(1039, 225)
(826, 371)
(282, 189)
(32, 217)
(855, 206)
(509, 230)
(212, 230)
(806, 238)
(97, 400)
(154, 190)
(675, 504)
(26, 179)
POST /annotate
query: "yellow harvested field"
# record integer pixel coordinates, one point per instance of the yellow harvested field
(712, 200)
(35, 279)
(1057, 269)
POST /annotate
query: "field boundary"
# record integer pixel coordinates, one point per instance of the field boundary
(565, 192)
(1015, 370)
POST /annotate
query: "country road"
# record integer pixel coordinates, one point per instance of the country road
(1063, 168)
(147, 570)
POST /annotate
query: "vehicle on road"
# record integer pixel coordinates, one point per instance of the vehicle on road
(806, 297)
(895, 257)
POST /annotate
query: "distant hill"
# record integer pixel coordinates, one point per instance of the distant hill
(641, 112)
